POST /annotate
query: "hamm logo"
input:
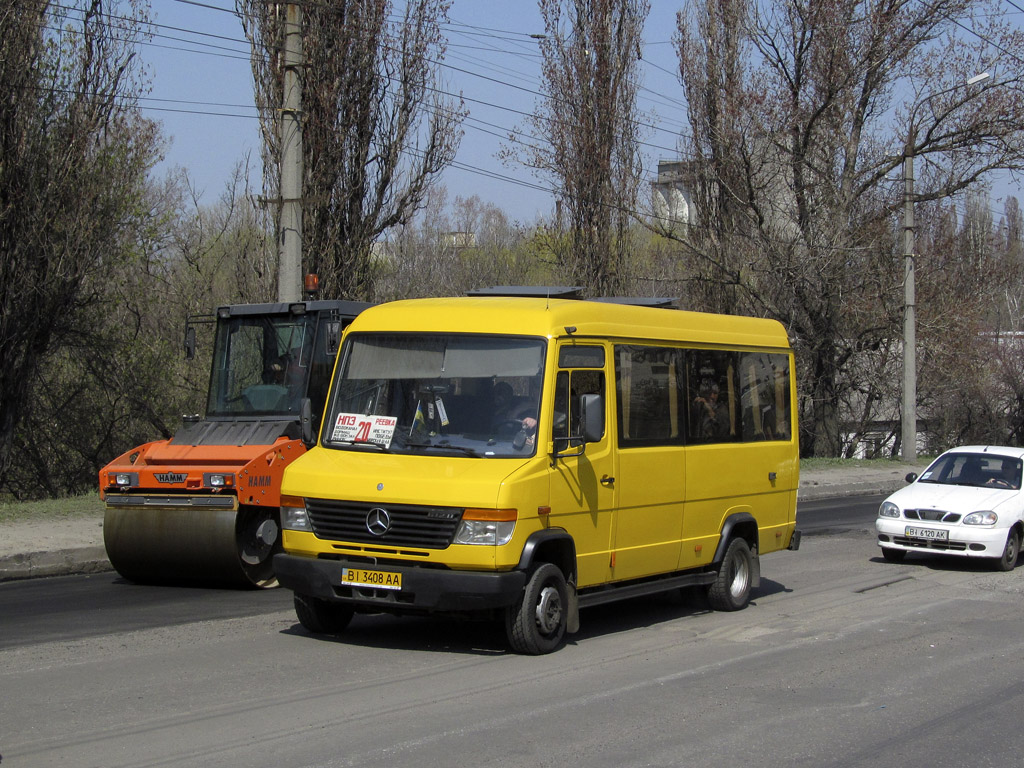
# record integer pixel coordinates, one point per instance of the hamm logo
(170, 477)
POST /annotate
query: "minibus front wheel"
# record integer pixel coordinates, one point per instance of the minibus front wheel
(536, 622)
(320, 616)
(730, 591)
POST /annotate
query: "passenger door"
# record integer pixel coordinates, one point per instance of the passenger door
(648, 521)
(582, 485)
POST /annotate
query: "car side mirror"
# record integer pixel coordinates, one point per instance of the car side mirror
(911, 477)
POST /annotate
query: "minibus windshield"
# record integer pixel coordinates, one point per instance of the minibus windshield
(439, 394)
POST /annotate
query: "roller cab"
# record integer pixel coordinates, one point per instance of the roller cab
(204, 506)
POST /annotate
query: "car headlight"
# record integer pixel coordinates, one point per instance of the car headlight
(492, 527)
(293, 514)
(888, 509)
(981, 518)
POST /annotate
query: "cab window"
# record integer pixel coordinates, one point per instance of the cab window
(584, 377)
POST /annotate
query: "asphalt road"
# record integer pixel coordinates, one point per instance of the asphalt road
(840, 660)
(76, 607)
(838, 515)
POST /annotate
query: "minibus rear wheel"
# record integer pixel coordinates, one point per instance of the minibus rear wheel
(535, 624)
(730, 591)
(320, 616)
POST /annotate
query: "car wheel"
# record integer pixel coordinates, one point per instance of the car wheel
(893, 555)
(730, 591)
(320, 616)
(536, 623)
(1008, 560)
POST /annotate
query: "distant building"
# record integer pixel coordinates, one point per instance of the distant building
(458, 240)
(672, 195)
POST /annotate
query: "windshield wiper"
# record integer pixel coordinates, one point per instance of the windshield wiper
(360, 444)
(446, 447)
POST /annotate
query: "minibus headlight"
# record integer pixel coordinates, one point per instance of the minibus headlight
(492, 527)
(293, 514)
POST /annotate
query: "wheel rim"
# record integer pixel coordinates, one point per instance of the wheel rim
(549, 611)
(1010, 555)
(740, 577)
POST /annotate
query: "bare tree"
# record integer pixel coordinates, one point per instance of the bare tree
(588, 131)
(452, 248)
(73, 159)
(377, 127)
(825, 100)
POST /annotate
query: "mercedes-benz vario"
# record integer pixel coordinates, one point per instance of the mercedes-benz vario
(522, 458)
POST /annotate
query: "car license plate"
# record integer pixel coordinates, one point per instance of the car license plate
(914, 532)
(359, 577)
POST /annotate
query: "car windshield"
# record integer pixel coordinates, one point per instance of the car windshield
(981, 470)
(461, 394)
(260, 365)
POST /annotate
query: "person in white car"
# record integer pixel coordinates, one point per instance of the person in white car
(968, 502)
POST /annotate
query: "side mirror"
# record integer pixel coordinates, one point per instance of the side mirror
(190, 342)
(306, 422)
(911, 477)
(592, 417)
(589, 428)
(333, 337)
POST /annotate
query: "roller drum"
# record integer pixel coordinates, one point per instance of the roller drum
(181, 545)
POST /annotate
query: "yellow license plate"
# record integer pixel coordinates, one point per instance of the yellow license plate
(359, 577)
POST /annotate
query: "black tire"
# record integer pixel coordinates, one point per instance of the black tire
(891, 555)
(258, 539)
(1008, 560)
(536, 623)
(320, 616)
(730, 591)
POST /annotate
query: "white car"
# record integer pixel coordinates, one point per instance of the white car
(968, 502)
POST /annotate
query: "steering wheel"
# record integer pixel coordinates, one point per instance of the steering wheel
(506, 429)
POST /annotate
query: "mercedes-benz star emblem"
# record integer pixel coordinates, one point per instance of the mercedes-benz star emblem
(378, 521)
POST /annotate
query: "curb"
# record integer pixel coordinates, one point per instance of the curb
(62, 562)
(866, 488)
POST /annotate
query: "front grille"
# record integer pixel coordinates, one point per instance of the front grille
(932, 514)
(942, 546)
(411, 525)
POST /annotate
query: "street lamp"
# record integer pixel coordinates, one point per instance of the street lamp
(908, 413)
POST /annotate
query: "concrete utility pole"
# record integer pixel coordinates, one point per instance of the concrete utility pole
(289, 274)
(908, 446)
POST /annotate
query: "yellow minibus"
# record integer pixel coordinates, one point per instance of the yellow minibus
(522, 458)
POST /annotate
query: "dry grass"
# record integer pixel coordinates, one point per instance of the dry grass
(87, 505)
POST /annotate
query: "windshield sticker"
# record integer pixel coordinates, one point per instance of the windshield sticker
(442, 413)
(357, 428)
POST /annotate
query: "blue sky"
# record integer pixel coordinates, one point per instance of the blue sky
(202, 94)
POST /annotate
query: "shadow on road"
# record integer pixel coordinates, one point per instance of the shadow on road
(487, 638)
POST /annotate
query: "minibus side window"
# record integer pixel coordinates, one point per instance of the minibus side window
(711, 397)
(649, 382)
(764, 383)
(737, 396)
